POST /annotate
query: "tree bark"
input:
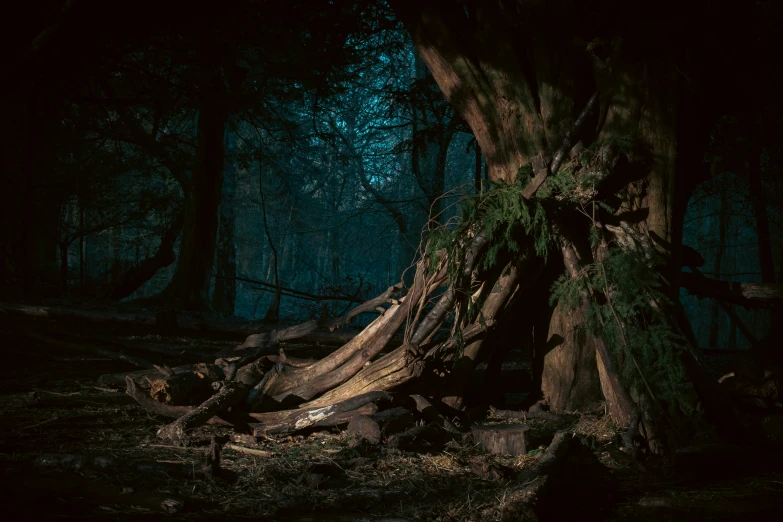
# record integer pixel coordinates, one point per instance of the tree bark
(619, 404)
(225, 292)
(306, 383)
(273, 312)
(189, 288)
(759, 204)
(717, 264)
(570, 378)
(229, 394)
(288, 421)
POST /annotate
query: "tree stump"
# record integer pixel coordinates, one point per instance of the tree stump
(502, 439)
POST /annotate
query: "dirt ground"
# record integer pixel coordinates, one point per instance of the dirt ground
(51, 403)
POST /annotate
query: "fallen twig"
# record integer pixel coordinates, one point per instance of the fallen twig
(248, 451)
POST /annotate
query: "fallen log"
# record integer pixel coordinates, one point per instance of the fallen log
(343, 419)
(111, 354)
(399, 366)
(228, 394)
(115, 344)
(211, 371)
(164, 410)
(289, 421)
(751, 295)
(55, 312)
(345, 363)
(148, 319)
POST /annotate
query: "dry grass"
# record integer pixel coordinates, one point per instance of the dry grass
(70, 415)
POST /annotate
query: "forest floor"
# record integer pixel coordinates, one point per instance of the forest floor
(51, 403)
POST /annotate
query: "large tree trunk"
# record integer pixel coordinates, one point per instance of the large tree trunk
(29, 214)
(225, 293)
(717, 265)
(759, 204)
(190, 286)
(544, 84)
(569, 379)
(528, 95)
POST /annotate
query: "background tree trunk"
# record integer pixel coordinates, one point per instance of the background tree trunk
(225, 292)
(718, 265)
(190, 286)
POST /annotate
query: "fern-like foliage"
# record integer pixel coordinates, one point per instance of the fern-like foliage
(626, 311)
(503, 215)
(624, 285)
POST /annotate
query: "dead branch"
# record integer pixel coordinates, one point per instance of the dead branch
(229, 394)
(288, 421)
(431, 414)
(751, 295)
(164, 410)
(148, 319)
(540, 170)
(255, 452)
(542, 478)
(210, 371)
(366, 306)
(292, 292)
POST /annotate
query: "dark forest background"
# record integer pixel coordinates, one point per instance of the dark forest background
(239, 168)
